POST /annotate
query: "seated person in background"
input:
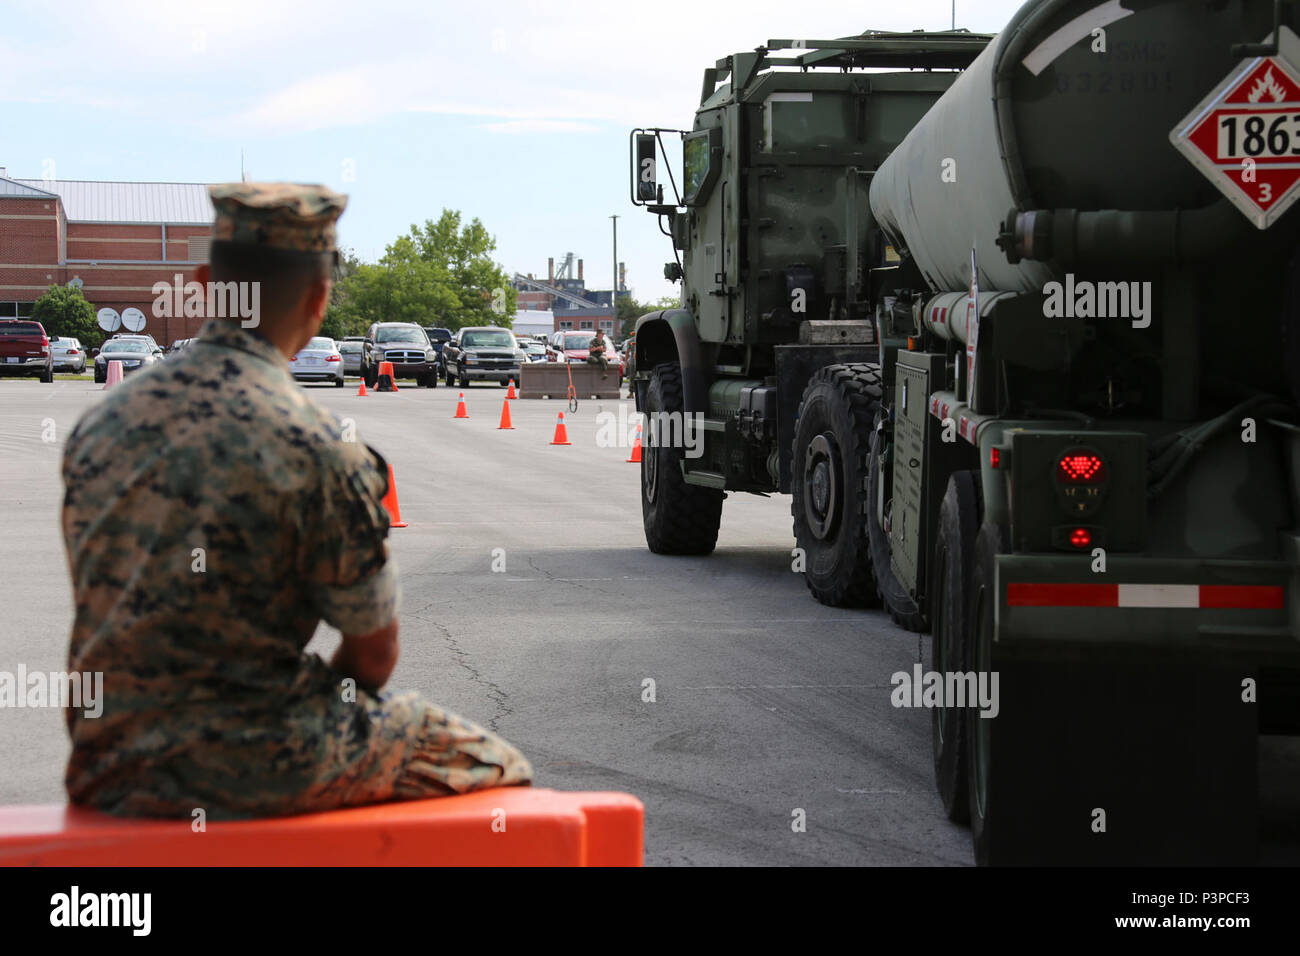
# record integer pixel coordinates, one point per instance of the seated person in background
(596, 352)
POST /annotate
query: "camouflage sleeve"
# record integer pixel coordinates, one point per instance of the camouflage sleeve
(354, 582)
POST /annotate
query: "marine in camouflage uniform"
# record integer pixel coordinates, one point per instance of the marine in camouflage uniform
(209, 698)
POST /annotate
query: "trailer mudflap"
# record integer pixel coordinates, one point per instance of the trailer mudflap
(1128, 707)
(1141, 762)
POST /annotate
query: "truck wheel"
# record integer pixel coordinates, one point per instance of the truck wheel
(451, 381)
(981, 732)
(828, 471)
(902, 609)
(678, 518)
(954, 548)
(47, 374)
(371, 377)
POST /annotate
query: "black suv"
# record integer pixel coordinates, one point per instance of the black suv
(438, 337)
(406, 346)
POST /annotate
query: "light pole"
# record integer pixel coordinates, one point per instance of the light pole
(613, 296)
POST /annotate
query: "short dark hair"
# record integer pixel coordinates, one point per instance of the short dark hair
(284, 275)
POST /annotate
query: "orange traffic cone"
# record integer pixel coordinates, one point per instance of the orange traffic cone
(561, 433)
(461, 410)
(361, 392)
(386, 382)
(510, 392)
(390, 503)
(505, 415)
(113, 374)
(635, 457)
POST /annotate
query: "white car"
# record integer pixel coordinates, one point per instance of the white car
(318, 361)
(68, 354)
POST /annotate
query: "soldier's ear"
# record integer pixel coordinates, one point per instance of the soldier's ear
(317, 299)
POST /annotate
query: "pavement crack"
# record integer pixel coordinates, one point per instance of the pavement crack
(460, 656)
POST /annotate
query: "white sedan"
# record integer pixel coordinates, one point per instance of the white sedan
(318, 361)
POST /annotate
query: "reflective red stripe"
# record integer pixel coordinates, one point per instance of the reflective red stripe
(1021, 594)
(1239, 596)
(1243, 595)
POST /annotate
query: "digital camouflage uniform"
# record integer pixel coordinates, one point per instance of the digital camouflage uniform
(209, 700)
(596, 354)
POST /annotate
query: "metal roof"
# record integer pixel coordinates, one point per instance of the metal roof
(9, 187)
(89, 201)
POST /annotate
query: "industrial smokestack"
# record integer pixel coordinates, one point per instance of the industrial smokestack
(579, 270)
(550, 269)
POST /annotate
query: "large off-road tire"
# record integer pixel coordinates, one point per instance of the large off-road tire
(954, 550)
(828, 471)
(678, 518)
(893, 596)
(981, 733)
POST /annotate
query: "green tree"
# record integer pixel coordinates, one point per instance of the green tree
(479, 290)
(63, 310)
(441, 273)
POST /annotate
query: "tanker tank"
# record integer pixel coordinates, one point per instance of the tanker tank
(1042, 122)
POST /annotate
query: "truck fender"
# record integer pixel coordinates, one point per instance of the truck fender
(671, 336)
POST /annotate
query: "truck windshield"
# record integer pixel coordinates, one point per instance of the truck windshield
(402, 334)
(499, 340)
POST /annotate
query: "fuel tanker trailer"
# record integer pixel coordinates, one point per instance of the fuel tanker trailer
(1073, 452)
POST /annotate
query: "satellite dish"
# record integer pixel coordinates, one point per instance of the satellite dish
(133, 320)
(109, 320)
(75, 282)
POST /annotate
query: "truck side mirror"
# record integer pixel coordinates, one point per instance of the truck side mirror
(646, 172)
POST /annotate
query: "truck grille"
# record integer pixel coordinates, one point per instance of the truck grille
(397, 355)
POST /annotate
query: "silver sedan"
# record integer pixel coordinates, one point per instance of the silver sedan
(318, 361)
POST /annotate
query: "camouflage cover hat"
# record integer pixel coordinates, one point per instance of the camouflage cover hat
(278, 215)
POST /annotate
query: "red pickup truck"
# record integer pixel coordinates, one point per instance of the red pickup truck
(25, 349)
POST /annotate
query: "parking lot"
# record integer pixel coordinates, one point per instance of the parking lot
(765, 702)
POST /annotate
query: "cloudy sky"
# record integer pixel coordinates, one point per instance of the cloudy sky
(514, 111)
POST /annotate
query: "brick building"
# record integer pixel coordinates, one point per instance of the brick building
(114, 239)
(566, 296)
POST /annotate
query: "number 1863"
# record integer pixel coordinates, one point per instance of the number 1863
(1269, 135)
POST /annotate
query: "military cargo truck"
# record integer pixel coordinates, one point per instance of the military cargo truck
(1022, 342)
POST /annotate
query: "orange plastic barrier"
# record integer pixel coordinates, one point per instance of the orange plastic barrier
(508, 826)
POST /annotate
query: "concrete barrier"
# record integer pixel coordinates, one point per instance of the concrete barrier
(551, 380)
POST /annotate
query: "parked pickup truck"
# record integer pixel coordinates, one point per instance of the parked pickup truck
(25, 349)
(482, 353)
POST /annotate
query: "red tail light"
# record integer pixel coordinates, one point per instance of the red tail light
(73, 352)
(334, 358)
(1082, 480)
(1080, 537)
(1080, 467)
